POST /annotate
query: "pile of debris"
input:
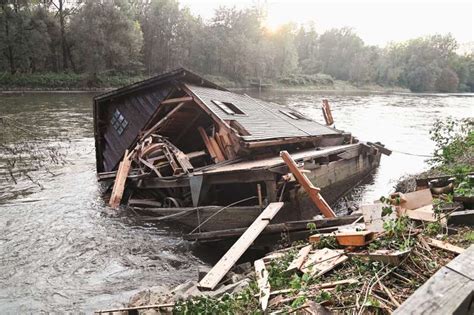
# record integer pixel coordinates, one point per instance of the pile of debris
(376, 264)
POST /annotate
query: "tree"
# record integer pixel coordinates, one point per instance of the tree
(106, 37)
(447, 81)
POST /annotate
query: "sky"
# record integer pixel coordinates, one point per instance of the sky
(376, 22)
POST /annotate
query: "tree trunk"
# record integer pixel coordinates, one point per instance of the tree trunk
(63, 33)
(11, 59)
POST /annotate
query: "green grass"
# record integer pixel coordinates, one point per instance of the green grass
(65, 81)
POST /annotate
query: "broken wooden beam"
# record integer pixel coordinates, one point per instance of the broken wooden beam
(223, 266)
(327, 113)
(176, 100)
(162, 120)
(120, 179)
(312, 191)
(323, 261)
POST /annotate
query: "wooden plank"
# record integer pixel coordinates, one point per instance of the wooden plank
(312, 191)
(327, 113)
(290, 226)
(445, 245)
(217, 150)
(446, 292)
(177, 100)
(464, 263)
(360, 238)
(297, 263)
(119, 184)
(465, 217)
(237, 250)
(322, 261)
(417, 199)
(386, 256)
(381, 148)
(423, 214)
(163, 120)
(262, 282)
(207, 143)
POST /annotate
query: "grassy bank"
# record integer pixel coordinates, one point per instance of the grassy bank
(65, 81)
(73, 81)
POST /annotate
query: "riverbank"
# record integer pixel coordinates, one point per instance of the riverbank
(70, 82)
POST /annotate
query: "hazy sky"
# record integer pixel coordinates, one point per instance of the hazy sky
(377, 22)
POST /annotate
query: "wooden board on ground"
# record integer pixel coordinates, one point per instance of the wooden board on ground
(300, 258)
(448, 291)
(262, 282)
(445, 245)
(322, 261)
(236, 251)
(417, 199)
(425, 213)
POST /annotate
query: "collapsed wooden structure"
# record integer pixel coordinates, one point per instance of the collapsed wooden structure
(208, 158)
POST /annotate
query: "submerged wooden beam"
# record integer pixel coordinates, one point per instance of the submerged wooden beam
(223, 266)
(312, 191)
(292, 226)
(119, 184)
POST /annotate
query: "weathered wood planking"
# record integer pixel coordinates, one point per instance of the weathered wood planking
(236, 251)
(448, 291)
(119, 184)
(300, 258)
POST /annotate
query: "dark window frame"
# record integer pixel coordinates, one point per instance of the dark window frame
(119, 122)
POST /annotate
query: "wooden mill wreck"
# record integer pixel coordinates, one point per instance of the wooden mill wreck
(189, 151)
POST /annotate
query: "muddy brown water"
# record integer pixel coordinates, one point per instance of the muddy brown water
(62, 249)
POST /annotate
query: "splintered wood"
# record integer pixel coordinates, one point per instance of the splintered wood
(312, 191)
(322, 261)
(300, 258)
(119, 184)
(262, 282)
(211, 280)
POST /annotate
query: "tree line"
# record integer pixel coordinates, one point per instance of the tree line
(151, 36)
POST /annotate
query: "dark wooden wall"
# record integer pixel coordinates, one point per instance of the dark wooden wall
(137, 109)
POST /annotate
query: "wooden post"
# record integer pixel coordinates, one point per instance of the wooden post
(327, 113)
(312, 191)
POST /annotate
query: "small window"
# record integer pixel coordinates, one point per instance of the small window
(228, 108)
(119, 122)
(292, 115)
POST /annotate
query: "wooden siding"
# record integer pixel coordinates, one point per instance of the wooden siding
(137, 108)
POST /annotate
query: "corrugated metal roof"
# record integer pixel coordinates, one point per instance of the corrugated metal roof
(263, 120)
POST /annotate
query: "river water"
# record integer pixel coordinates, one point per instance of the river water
(62, 249)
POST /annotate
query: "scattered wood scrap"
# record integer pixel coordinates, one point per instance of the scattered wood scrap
(322, 261)
(445, 246)
(385, 256)
(236, 251)
(373, 216)
(357, 238)
(262, 282)
(299, 259)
